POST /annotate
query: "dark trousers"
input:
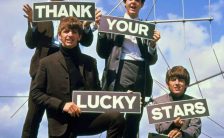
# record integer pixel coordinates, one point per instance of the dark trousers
(131, 76)
(33, 118)
(95, 123)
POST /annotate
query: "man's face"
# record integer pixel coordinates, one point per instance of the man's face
(133, 7)
(69, 38)
(177, 86)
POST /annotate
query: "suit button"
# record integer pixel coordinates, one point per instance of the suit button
(66, 77)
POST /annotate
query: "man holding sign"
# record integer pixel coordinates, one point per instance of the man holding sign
(42, 36)
(127, 60)
(61, 73)
(177, 80)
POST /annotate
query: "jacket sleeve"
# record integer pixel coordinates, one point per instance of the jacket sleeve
(40, 35)
(87, 38)
(91, 74)
(164, 128)
(39, 90)
(29, 37)
(193, 130)
(151, 56)
(104, 45)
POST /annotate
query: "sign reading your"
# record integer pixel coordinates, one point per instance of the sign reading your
(46, 11)
(170, 111)
(123, 26)
(102, 101)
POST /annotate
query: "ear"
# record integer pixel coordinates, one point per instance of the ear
(80, 37)
(167, 85)
(59, 36)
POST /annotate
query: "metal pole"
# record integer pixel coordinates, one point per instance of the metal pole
(181, 20)
(207, 78)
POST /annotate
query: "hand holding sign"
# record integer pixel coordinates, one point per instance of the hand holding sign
(72, 109)
(155, 38)
(175, 133)
(98, 15)
(178, 122)
(28, 11)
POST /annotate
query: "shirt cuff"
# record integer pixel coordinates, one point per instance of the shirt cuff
(152, 50)
(86, 29)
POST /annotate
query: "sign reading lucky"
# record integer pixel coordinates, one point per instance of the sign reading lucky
(102, 101)
(124, 26)
(46, 11)
(184, 109)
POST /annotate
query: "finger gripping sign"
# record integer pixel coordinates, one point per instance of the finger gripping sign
(124, 26)
(103, 101)
(48, 11)
(184, 109)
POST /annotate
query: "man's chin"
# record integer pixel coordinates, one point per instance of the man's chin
(69, 46)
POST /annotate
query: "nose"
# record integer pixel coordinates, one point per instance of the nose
(70, 33)
(177, 81)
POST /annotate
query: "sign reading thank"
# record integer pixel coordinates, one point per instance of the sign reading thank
(46, 11)
(184, 109)
(124, 26)
(102, 101)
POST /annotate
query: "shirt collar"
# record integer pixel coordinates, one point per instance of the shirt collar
(126, 16)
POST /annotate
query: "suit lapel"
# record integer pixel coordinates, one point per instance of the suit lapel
(61, 60)
(141, 47)
(119, 39)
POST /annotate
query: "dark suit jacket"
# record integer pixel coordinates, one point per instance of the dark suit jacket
(41, 39)
(52, 87)
(109, 47)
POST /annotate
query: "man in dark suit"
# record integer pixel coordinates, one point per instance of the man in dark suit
(61, 73)
(127, 61)
(40, 35)
(177, 80)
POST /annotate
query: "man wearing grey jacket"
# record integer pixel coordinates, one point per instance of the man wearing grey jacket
(177, 80)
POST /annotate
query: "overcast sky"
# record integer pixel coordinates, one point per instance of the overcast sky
(192, 43)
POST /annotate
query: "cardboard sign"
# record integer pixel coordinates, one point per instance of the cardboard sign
(154, 135)
(184, 109)
(47, 11)
(103, 101)
(123, 26)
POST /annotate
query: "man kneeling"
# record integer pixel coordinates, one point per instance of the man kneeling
(61, 73)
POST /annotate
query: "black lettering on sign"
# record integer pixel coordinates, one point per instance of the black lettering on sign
(47, 11)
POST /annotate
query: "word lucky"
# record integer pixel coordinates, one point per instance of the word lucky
(106, 102)
(61, 10)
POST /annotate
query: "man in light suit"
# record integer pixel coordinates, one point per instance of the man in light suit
(177, 80)
(39, 36)
(61, 73)
(127, 62)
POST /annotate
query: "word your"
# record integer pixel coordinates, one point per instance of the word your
(104, 101)
(56, 10)
(132, 27)
(126, 26)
